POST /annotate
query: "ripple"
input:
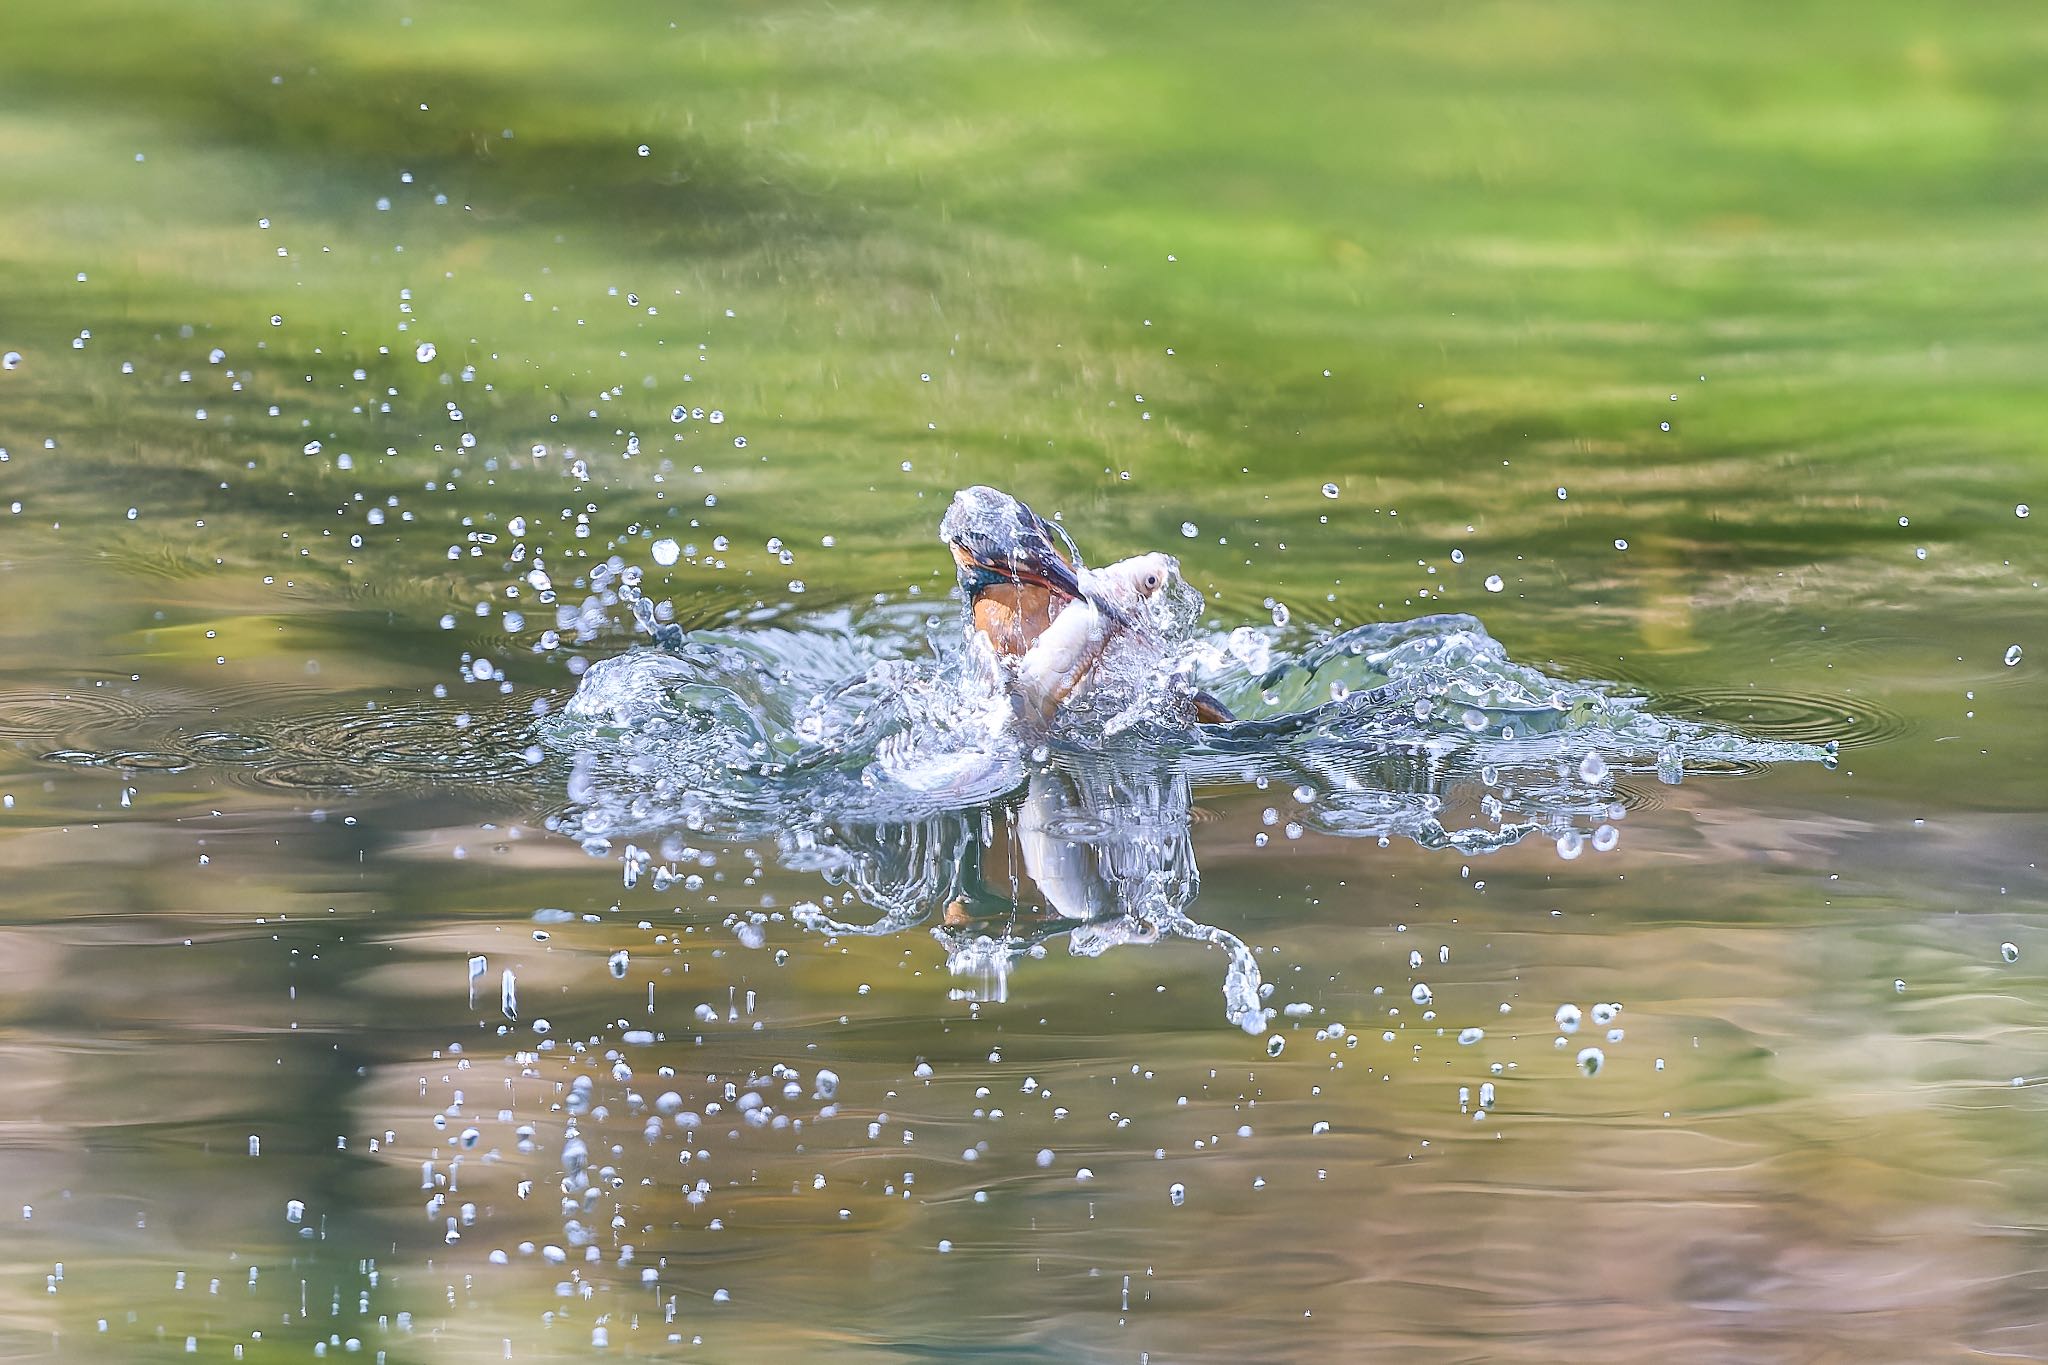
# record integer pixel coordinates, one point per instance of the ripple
(44, 715)
(153, 760)
(313, 776)
(1807, 718)
(224, 746)
(421, 741)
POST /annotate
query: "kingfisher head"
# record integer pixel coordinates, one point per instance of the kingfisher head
(996, 540)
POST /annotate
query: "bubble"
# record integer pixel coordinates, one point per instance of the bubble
(2012, 656)
(666, 552)
(1329, 490)
(1190, 530)
(2009, 951)
(1605, 838)
(1591, 1060)
(424, 352)
(1592, 768)
(1493, 583)
(1570, 845)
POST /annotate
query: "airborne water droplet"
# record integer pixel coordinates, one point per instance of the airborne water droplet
(2012, 656)
(1493, 583)
(424, 352)
(2009, 951)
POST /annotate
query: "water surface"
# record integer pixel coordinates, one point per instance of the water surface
(1713, 341)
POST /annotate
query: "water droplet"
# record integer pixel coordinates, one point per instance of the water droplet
(2022, 511)
(1178, 1193)
(2009, 951)
(1570, 845)
(1329, 490)
(424, 352)
(1421, 995)
(1190, 530)
(1471, 1036)
(1281, 616)
(645, 150)
(666, 552)
(1620, 544)
(12, 361)
(1592, 768)
(1568, 1018)
(1591, 1060)
(2012, 656)
(1493, 583)
(1275, 1045)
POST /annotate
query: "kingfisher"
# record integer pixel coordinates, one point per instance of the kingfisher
(1048, 622)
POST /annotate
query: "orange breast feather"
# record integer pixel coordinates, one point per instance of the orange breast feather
(1014, 615)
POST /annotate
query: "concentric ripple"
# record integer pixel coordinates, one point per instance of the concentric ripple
(1795, 717)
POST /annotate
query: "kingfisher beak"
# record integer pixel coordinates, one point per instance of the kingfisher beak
(1019, 561)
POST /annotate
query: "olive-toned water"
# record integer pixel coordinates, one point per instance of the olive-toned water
(1715, 335)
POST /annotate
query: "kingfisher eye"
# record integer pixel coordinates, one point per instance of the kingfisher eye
(1151, 582)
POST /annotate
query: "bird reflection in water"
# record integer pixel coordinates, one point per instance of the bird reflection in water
(1098, 853)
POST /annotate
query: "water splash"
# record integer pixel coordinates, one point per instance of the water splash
(876, 748)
